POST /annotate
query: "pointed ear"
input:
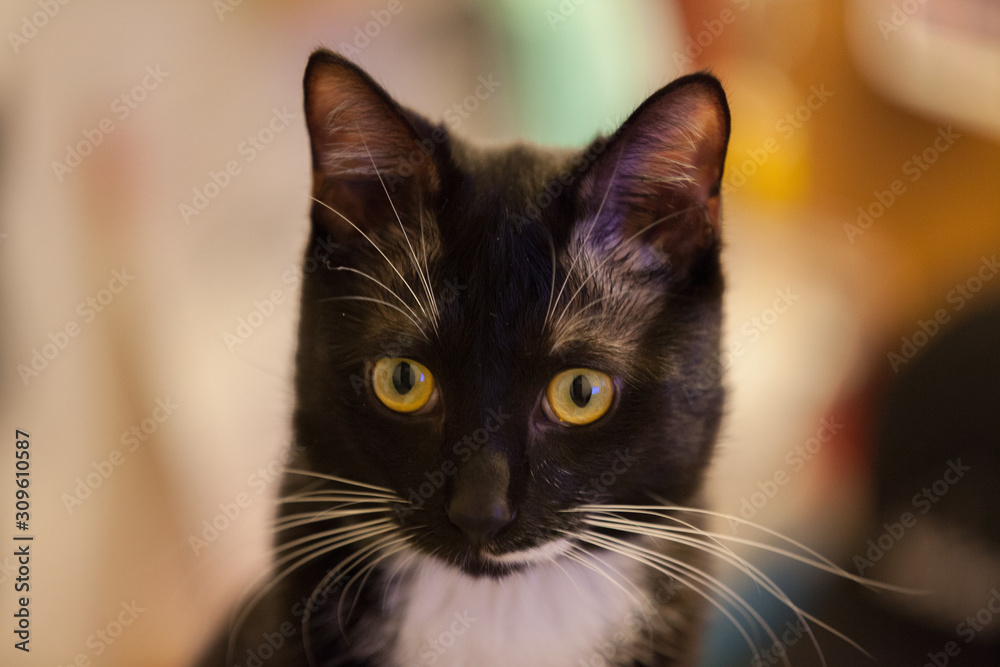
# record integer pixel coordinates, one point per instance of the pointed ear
(660, 176)
(364, 148)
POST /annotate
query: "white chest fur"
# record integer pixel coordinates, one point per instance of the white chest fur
(555, 613)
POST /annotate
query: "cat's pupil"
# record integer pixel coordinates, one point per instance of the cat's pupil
(581, 390)
(403, 377)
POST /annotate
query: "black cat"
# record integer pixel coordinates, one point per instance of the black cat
(505, 403)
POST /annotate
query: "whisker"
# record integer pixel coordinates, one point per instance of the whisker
(304, 519)
(552, 284)
(380, 284)
(416, 264)
(345, 493)
(374, 245)
(820, 562)
(330, 578)
(673, 533)
(569, 576)
(379, 301)
(579, 555)
(316, 550)
(397, 569)
(688, 528)
(718, 587)
(314, 537)
(771, 587)
(338, 496)
(321, 589)
(612, 256)
(366, 572)
(583, 245)
(342, 480)
(683, 579)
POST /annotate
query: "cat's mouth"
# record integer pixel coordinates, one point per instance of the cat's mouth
(480, 562)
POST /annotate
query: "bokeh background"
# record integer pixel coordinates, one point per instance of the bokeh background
(153, 206)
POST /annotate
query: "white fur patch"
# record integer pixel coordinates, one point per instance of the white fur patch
(555, 613)
(546, 553)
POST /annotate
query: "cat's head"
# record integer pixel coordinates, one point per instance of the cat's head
(502, 335)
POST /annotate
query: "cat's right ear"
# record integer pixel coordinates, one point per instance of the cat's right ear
(367, 158)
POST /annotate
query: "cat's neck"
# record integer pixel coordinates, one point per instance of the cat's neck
(553, 612)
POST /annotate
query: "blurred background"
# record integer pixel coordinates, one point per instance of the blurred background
(154, 174)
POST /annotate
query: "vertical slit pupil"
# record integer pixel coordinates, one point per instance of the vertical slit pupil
(403, 377)
(581, 390)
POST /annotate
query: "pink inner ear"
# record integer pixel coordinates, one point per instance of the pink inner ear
(354, 130)
(679, 148)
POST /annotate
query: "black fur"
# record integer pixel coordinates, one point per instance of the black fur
(490, 223)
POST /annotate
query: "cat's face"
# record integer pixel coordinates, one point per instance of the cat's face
(501, 336)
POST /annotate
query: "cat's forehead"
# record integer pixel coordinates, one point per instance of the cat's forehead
(514, 170)
(539, 269)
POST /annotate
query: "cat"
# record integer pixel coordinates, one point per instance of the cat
(504, 400)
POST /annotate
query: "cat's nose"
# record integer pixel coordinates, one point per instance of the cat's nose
(479, 518)
(479, 505)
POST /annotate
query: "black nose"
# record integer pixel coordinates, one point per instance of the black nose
(480, 517)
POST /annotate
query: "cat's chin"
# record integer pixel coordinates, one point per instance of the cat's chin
(487, 563)
(476, 565)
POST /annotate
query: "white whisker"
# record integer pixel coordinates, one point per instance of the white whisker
(583, 245)
(611, 256)
(683, 579)
(380, 284)
(316, 550)
(380, 301)
(374, 245)
(745, 609)
(342, 480)
(416, 264)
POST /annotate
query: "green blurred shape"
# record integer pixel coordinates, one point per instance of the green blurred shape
(578, 67)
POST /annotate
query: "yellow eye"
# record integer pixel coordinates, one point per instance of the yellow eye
(579, 395)
(402, 384)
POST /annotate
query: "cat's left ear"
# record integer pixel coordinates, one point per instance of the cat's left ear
(658, 178)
